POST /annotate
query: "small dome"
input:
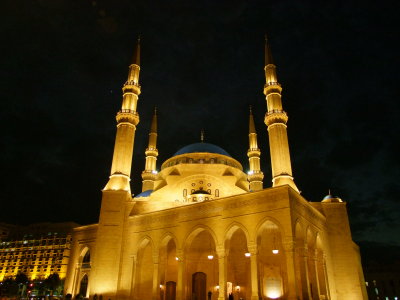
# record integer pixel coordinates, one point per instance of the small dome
(144, 194)
(330, 198)
(202, 147)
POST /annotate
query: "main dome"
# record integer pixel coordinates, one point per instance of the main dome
(202, 147)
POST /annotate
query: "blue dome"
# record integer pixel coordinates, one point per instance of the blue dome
(202, 147)
(144, 194)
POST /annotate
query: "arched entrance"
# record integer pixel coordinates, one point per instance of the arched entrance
(238, 264)
(83, 286)
(168, 269)
(145, 268)
(199, 286)
(201, 264)
(170, 290)
(271, 261)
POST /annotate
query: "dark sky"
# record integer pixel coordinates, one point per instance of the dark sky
(63, 63)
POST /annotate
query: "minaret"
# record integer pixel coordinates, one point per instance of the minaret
(150, 172)
(276, 119)
(127, 120)
(255, 176)
(116, 202)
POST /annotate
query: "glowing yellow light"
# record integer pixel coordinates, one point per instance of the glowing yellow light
(217, 287)
(247, 254)
(176, 258)
(210, 256)
(275, 251)
(161, 286)
(238, 287)
(273, 287)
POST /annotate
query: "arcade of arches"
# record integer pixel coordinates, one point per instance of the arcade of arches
(213, 267)
(246, 270)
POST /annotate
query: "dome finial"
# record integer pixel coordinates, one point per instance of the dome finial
(202, 135)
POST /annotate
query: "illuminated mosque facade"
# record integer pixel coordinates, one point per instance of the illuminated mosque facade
(202, 229)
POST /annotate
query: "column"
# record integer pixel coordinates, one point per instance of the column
(305, 282)
(156, 283)
(325, 277)
(253, 271)
(221, 272)
(133, 283)
(181, 268)
(291, 289)
(317, 279)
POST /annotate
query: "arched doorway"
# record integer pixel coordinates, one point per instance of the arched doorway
(168, 269)
(199, 286)
(83, 286)
(271, 261)
(145, 268)
(238, 263)
(200, 258)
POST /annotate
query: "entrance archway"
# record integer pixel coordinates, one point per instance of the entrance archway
(199, 286)
(170, 290)
(83, 286)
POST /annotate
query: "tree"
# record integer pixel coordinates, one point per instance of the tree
(52, 282)
(9, 287)
(21, 280)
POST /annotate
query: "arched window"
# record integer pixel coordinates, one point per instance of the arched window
(86, 258)
(84, 285)
(217, 193)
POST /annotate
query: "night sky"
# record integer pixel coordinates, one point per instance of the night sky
(63, 63)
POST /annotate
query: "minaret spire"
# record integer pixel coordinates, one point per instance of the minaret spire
(255, 176)
(150, 172)
(202, 136)
(117, 193)
(127, 120)
(276, 119)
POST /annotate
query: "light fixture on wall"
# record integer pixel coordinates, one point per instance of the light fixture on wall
(210, 256)
(275, 249)
(247, 254)
(238, 288)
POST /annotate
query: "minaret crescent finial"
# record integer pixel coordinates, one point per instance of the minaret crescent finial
(202, 135)
(268, 54)
(136, 54)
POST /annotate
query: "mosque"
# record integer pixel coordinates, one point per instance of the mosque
(202, 229)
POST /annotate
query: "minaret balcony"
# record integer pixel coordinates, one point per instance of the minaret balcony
(255, 175)
(131, 87)
(275, 116)
(149, 175)
(253, 152)
(128, 116)
(151, 151)
(272, 87)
